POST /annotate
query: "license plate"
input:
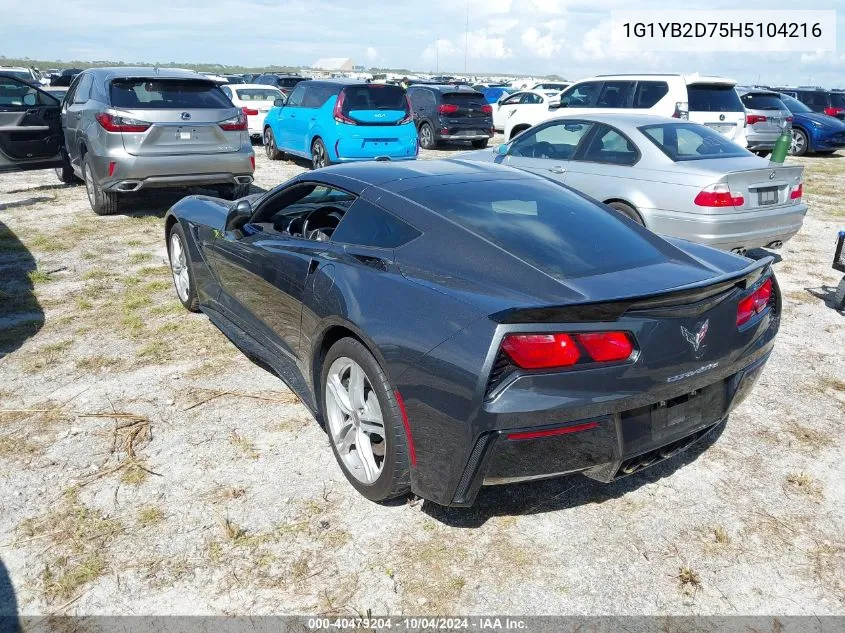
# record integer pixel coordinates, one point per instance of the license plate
(185, 136)
(776, 122)
(768, 195)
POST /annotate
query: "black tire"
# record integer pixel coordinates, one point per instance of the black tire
(394, 479)
(319, 155)
(234, 192)
(627, 210)
(102, 202)
(426, 137)
(800, 142)
(65, 173)
(480, 144)
(190, 301)
(270, 147)
(839, 296)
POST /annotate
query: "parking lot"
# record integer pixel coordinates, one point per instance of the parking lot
(147, 466)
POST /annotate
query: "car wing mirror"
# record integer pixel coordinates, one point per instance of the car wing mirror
(279, 103)
(502, 150)
(239, 214)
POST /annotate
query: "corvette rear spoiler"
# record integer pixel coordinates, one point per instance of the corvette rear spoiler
(687, 300)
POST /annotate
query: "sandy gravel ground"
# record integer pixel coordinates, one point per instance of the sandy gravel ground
(147, 467)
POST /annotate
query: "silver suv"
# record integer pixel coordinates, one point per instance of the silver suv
(766, 117)
(132, 129)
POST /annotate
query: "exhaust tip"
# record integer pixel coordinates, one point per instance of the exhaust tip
(739, 251)
(128, 185)
(244, 180)
(774, 245)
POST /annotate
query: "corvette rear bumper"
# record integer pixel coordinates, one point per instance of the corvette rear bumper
(604, 447)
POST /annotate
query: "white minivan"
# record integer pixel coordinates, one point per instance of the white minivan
(710, 101)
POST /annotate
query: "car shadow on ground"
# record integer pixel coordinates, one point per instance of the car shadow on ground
(21, 316)
(8, 603)
(760, 253)
(156, 202)
(826, 294)
(560, 493)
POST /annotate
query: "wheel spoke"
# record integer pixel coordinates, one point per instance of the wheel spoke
(356, 387)
(365, 453)
(371, 420)
(339, 393)
(345, 438)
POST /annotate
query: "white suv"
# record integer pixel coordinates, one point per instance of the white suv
(711, 101)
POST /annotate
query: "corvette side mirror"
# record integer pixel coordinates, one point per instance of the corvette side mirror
(239, 214)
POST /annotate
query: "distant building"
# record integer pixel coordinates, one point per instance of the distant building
(358, 69)
(335, 63)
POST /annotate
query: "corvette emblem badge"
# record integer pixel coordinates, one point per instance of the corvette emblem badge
(696, 339)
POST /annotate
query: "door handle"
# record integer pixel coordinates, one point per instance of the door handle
(557, 169)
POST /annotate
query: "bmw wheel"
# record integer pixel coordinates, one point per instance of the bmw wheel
(799, 144)
(627, 210)
(273, 152)
(364, 423)
(319, 155)
(180, 268)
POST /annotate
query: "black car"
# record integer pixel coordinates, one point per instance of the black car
(455, 323)
(285, 83)
(65, 77)
(830, 102)
(450, 113)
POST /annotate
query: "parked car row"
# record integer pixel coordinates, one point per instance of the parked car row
(753, 116)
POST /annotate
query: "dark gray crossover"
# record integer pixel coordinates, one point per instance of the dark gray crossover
(454, 323)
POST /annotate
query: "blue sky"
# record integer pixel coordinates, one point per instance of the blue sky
(531, 37)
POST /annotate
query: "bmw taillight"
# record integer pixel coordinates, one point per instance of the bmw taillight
(114, 123)
(447, 108)
(249, 111)
(754, 303)
(547, 351)
(719, 195)
(235, 124)
(338, 114)
(797, 192)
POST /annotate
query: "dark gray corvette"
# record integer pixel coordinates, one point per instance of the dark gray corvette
(455, 324)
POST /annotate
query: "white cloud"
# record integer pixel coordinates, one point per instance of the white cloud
(482, 46)
(440, 49)
(371, 54)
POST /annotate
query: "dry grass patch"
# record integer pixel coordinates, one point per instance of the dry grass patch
(809, 437)
(79, 537)
(243, 444)
(805, 484)
(139, 258)
(720, 535)
(150, 515)
(97, 363)
(688, 579)
(827, 561)
(46, 356)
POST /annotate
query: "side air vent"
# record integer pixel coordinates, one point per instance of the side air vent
(502, 368)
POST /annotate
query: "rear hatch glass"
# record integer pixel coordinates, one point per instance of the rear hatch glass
(375, 104)
(762, 102)
(162, 94)
(469, 104)
(258, 94)
(837, 99)
(543, 224)
(713, 98)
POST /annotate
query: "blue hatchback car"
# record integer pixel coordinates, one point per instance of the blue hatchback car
(340, 121)
(813, 131)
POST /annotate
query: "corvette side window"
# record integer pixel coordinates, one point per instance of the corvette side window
(367, 225)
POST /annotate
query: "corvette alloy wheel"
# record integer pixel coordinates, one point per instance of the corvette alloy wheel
(355, 422)
(179, 267)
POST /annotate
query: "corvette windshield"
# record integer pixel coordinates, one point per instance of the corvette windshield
(543, 224)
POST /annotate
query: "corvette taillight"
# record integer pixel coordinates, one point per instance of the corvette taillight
(546, 351)
(234, 124)
(754, 303)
